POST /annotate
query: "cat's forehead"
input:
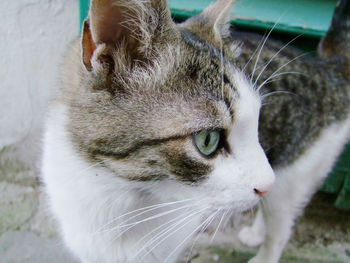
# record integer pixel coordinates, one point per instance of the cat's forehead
(176, 113)
(190, 65)
(190, 86)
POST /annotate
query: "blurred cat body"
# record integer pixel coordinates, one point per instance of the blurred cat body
(303, 126)
(126, 178)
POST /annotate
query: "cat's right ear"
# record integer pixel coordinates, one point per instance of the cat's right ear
(88, 45)
(107, 26)
(126, 28)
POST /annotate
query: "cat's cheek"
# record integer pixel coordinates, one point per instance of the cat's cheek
(229, 187)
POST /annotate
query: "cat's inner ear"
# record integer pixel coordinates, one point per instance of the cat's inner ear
(129, 24)
(214, 21)
(88, 45)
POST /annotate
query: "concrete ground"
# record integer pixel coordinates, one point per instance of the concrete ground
(28, 235)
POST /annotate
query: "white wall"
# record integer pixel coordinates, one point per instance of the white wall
(33, 37)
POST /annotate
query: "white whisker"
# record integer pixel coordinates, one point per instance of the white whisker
(204, 228)
(222, 69)
(272, 80)
(252, 211)
(151, 217)
(159, 237)
(217, 229)
(191, 234)
(237, 219)
(91, 166)
(142, 210)
(171, 233)
(262, 46)
(276, 92)
(145, 220)
(265, 207)
(255, 51)
(271, 59)
(281, 67)
(230, 213)
(277, 75)
(161, 226)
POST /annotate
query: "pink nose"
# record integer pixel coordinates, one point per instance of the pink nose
(261, 191)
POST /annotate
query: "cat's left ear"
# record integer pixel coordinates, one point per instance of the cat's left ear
(214, 21)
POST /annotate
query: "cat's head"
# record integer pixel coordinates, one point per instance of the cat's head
(163, 105)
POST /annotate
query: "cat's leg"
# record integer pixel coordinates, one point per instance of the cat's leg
(254, 235)
(295, 186)
(282, 206)
(275, 218)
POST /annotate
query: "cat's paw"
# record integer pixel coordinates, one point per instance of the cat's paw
(250, 238)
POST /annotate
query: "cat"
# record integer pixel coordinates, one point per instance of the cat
(154, 134)
(303, 127)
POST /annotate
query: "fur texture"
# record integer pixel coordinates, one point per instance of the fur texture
(121, 167)
(125, 178)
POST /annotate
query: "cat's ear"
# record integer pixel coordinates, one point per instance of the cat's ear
(88, 45)
(214, 21)
(130, 24)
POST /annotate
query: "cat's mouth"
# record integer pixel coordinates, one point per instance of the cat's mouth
(215, 220)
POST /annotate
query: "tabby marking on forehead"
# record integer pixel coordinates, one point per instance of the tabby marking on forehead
(191, 39)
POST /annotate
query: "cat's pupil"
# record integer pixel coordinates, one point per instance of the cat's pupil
(207, 139)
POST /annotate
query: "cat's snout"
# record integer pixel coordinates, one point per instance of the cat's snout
(265, 184)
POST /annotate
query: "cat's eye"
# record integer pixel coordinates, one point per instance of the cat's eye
(207, 142)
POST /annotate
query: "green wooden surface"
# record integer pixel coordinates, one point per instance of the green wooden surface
(84, 9)
(308, 17)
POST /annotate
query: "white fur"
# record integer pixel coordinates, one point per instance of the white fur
(294, 187)
(87, 199)
(254, 235)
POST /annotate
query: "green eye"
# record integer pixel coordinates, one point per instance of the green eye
(207, 142)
